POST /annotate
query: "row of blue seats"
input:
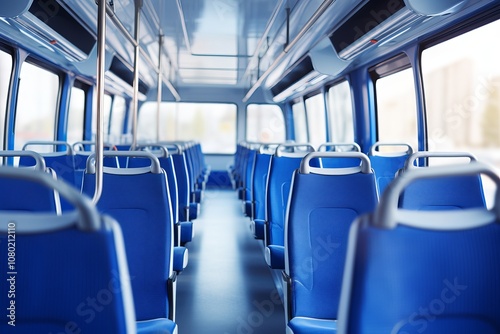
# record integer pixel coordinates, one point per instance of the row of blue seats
(140, 199)
(316, 217)
(79, 272)
(69, 162)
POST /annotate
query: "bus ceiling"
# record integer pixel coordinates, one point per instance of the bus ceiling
(243, 45)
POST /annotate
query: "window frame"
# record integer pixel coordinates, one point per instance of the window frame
(52, 70)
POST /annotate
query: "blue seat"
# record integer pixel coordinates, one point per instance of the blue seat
(387, 159)
(283, 163)
(22, 195)
(121, 161)
(262, 160)
(411, 271)
(182, 177)
(339, 147)
(82, 150)
(195, 190)
(203, 168)
(247, 187)
(456, 192)
(195, 169)
(138, 199)
(61, 162)
(70, 272)
(165, 160)
(239, 173)
(234, 170)
(188, 210)
(323, 204)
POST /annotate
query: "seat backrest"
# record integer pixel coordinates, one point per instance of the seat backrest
(166, 162)
(279, 177)
(182, 178)
(387, 159)
(453, 192)
(138, 198)
(62, 162)
(249, 173)
(423, 271)
(83, 149)
(22, 195)
(235, 170)
(69, 270)
(262, 160)
(339, 147)
(323, 204)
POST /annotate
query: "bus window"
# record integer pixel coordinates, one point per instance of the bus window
(106, 114)
(211, 124)
(462, 93)
(265, 123)
(396, 108)
(316, 120)
(76, 115)
(299, 122)
(5, 74)
(147, 122)
(36, 106)
(117, 119)
(340, 113)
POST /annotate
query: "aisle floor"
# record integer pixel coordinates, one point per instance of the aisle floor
(227, 287)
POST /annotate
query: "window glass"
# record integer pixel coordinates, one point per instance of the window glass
(76, 114)
(396, 108)
(316, 120)
(462, 94)
(106, 114)
(299, 122)
(5, 75)
(340, 113)
(265, 123)
(211, 124)
(36, 106)
(117, 119)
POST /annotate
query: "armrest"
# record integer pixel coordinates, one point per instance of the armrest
(181, 256)
(171, 292)
(248, 208)
(288, 295)
(257, 227)
(194, 210)
(275, 256)
(186, 232)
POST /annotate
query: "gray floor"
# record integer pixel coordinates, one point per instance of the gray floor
(227, 287)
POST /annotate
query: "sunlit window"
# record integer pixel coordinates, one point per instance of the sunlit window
(316, 120)
(211, 124)
(36, 105)
(265, 123)
(117, 119)
(76, 114)
(105, 114)
(462, 94)
(396, 108)
(299, 122)
(340, 113)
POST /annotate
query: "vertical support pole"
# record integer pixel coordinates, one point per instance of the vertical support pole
(135, 98)
(287, 27)
(101, 54)
(160, 83)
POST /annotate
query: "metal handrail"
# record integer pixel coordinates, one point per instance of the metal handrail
(324, 6)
